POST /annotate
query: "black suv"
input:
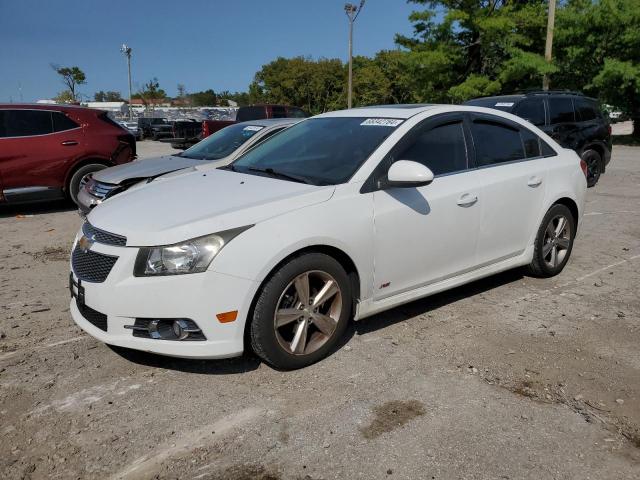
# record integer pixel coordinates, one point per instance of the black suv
(571, 119)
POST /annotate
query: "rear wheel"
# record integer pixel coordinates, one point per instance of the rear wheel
(76, 182)
(554, 242)
(301, 312)
(594, 166)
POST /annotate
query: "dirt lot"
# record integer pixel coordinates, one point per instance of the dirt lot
(507, 378)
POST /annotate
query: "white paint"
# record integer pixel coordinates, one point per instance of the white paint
(421, 240)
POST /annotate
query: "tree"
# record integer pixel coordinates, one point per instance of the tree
(71, 77)
(598, 51)
(475, 47)
(64, 97)
(150, 91)
(206, 98)
(109, 96)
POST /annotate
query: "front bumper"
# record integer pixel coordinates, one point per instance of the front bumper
(199, 297)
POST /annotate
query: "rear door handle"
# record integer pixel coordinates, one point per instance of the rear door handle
(69, 143)
(466, 200)
(534, 181)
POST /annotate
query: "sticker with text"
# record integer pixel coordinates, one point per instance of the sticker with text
(504, 104)
(253, 128)
(382, 122)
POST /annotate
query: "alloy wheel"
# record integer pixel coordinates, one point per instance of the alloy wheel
(307, 312)
(557, 239)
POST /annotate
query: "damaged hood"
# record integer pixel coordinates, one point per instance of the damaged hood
(141, 169)
(176, 208)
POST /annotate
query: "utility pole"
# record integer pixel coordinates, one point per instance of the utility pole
(352, 12)
(127, 53)
(551, 20)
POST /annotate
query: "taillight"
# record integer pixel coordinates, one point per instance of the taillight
(583, 166)
(609, 129)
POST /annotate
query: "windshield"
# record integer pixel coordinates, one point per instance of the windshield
(321, 151)
(222, 143)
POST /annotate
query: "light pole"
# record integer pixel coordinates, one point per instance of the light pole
(127, 53)
(551, 19)
(352, 12)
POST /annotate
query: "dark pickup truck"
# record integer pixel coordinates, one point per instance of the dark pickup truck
(188, 133)
(154, 128)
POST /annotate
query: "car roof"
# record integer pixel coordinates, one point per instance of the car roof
(383, 111)
(270, 122)
(47, 106)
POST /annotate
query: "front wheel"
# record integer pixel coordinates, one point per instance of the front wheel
(301, 312)
(76, 181)
(554, 242)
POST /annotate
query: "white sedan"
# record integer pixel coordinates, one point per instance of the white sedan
(337, 218)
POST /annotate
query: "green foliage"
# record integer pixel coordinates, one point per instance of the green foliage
(150, 91)
(598, 51)
(206, 98)
(109, 96)
(64, 96)
(71, 77)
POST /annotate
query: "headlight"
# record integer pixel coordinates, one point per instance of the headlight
(191, 256)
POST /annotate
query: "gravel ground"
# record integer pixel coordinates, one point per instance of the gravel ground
(510, 377)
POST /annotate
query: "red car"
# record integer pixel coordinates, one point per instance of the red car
(46, 150)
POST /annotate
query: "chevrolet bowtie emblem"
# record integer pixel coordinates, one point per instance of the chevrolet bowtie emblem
(85, 243)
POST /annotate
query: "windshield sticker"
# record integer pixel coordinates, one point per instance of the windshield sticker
(504, 104)
(252, 128)
(382, 122)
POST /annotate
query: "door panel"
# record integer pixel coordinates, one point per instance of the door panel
(513, 179)
(425, 234)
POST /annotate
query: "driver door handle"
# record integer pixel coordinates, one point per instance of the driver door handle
(69, 143)
(534, 181)
(466, 200)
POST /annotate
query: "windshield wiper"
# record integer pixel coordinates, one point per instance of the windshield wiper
(285, 176)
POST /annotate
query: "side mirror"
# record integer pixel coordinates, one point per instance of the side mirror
(407, 174)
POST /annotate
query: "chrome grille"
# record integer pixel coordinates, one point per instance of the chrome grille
(91, 266)
(100, 190)
(101, 236)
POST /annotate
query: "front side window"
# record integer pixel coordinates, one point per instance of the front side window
(320, 151)
(496, 143)
(442, 149)
(222, 143)
(532, 110)
(25, 123)
(561, 110)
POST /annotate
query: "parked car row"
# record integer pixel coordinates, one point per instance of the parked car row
(330, 219)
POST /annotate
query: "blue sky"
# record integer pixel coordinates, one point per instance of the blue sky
(202, 44)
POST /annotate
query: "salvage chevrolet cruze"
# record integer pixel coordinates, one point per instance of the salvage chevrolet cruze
(337, 218)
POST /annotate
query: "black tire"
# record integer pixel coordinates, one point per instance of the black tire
(73, 186)
(540, 266)
(262, 331)
(594, 166)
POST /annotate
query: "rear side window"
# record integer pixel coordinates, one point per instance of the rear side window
(25, 123)
(496, 143)
(561, 110)
(296, 113)
(531, 109)
(531, 143)
(586, 110)
(251, 113)
(278, 112)
(61, 122)
(442, 149)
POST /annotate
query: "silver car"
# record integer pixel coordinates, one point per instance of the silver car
(217, 150)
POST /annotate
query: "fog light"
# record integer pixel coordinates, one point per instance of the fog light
(181, 329)
(166, 329)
